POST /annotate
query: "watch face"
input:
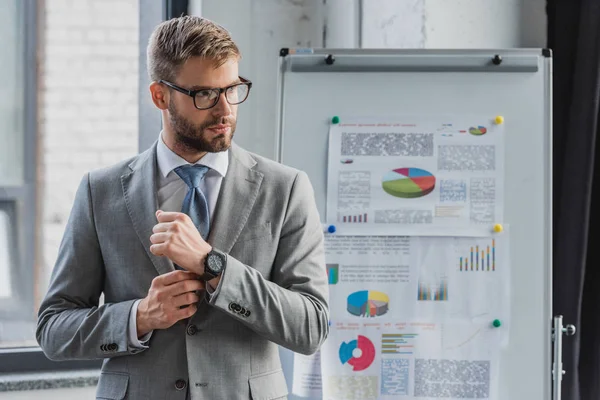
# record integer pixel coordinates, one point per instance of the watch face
(215, 263)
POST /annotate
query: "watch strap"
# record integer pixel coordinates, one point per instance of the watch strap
(207, 276)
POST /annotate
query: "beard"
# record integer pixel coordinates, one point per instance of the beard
(194, 137)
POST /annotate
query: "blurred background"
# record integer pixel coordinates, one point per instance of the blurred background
(75, 98)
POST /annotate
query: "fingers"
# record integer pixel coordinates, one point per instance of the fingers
(173, 226)
(160, 243)
(158, 249)
(170, 216)
(162, 227)
(171, 298)
(190, 285)
(160, 237)
(186, 299)
(186, 312)
(175, 276)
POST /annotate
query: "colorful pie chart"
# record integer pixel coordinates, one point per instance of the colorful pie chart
(478, 131)
(368, 303)
(408, 182)
(366, 357)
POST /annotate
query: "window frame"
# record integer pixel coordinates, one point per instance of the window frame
(16, 199)
(22, 205)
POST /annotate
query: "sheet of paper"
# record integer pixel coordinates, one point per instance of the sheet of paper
(413, 317)
(416, 176)
(307, 375)
(409, 360)
(438, 279)
(463, 279)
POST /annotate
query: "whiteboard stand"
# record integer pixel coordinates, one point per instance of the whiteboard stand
(316, 84)
(557, 371)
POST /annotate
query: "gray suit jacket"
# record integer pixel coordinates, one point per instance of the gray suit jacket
(274, 290)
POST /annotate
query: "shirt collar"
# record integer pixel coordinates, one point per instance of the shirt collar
(169, 160)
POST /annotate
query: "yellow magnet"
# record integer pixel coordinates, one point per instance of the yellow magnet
(498, 228)
(499, 119)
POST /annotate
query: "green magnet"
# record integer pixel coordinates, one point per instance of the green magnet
(497, 323)
(335, 120)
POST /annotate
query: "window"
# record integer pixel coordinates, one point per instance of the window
(5, 281)
(17, 185)
(75, 113)
(19, 241)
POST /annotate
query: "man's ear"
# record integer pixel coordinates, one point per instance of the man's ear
(160, 95)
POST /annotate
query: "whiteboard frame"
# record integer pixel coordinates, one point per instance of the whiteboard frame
(424, 61)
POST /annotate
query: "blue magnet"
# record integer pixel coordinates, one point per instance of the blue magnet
(331, 229)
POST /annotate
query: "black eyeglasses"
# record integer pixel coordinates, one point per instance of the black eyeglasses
(208, 98)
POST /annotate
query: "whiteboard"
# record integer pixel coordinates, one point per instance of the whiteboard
(446, 82)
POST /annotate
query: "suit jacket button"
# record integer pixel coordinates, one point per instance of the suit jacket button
(242, 311)
(232, 305)
(248, 313)
(113, 347)
(102, 347)
(180, 384)
(192, 330)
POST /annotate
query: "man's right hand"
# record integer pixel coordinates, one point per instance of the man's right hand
(166, 301)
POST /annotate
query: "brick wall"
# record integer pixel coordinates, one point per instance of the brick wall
(88, 109)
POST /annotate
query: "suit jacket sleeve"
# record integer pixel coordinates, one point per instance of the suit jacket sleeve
(71, 323)
(291, 309)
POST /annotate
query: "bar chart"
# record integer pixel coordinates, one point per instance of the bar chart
(398, 343)
(479, 258)
(434, 292)
(333, 273)
(357, 218)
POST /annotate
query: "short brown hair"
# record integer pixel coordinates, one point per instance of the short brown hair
(175, 41)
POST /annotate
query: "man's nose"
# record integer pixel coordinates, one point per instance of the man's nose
(222, 108)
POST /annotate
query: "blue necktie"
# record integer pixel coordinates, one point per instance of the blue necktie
(194, 203)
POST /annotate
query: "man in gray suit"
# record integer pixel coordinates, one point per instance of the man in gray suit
(208, 256)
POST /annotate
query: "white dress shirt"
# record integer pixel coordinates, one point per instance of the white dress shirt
(171, 192)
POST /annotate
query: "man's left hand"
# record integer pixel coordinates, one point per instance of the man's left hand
(176, 237)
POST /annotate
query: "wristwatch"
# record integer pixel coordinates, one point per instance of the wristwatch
(214, 264)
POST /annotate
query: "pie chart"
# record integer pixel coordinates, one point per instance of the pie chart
(478, 131)
(367, 353)
(368, 303)
(408, 182)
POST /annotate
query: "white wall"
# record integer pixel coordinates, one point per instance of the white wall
(393, 24)
(468, 24)
(262, 27)
(485, 24)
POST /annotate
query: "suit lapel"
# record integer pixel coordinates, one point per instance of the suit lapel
(238, 193)
(139, 190)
